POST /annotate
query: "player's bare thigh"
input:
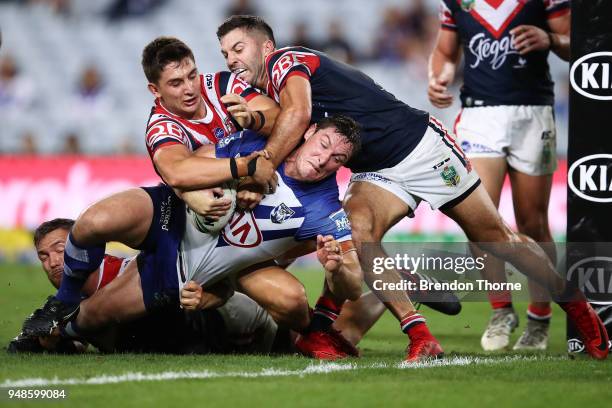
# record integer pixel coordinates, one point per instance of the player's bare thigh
(531, 195)
(124, 217)
(492, 171)
(119, 301)
(372, 210)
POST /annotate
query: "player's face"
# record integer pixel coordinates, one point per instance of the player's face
(244, 54)
(322, 154)
(178, 89)
(50, 252)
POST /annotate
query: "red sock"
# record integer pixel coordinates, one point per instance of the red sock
(500, 299)
(540, 314)
(325, 313)
(413, 323)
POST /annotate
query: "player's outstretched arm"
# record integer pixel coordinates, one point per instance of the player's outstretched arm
(442, 66)
(182, 170)
(293, 119)
(342, 269)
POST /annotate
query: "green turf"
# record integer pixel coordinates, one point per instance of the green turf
(552, 379)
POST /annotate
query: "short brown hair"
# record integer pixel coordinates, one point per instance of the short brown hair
(249, 23)
(161, 52)
(346, 126)
(50, 226)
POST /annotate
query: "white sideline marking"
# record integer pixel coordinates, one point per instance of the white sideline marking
(322, 368)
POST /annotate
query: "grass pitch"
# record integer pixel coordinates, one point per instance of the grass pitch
(467, 377)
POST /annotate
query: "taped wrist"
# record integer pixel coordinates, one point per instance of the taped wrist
(234, 168)
(252, 166)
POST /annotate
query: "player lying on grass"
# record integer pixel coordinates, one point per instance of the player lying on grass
(407, 157)
(173, 251)
(240, 325)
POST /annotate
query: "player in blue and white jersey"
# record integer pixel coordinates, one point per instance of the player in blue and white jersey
(506, 125)
(407, 157)
(304, 208)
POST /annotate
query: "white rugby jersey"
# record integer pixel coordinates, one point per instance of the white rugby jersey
(295, 212)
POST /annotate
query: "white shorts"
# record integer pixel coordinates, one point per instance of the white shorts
(248, 324)
(524, 135)
(436, 171)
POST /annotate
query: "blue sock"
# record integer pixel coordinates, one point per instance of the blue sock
(79, 263)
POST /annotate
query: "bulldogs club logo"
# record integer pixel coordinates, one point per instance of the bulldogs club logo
(590, 178)
(590, 76)
(281, 213)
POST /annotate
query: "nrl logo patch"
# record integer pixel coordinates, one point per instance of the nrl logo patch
(450, 176)
(468, 5)
(281, 213)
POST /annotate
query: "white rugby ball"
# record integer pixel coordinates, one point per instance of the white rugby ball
(205, 224)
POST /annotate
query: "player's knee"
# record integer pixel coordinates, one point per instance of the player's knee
(363, 228)
(535, 227)
(91, 225)
(292, 307)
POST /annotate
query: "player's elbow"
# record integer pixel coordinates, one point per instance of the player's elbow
(176, 180)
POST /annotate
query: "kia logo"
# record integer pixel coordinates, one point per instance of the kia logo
(575, 346)
(591, 178)
(591, 77)
(593, 275)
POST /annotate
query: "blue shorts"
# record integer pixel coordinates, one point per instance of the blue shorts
(157, 261)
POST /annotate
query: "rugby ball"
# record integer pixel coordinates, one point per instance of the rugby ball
(204, 224)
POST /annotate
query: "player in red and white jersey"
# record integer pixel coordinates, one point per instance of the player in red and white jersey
(50, 240)
(192, 110)
(239, 326)
(506, 125)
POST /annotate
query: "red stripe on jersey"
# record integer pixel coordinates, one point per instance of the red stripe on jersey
(111, 266)
(448, 137)
(250, 96)
(558, 13)
(457, 119)
(496, 33)
(288, 60)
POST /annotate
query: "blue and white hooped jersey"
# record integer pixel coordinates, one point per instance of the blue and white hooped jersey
(297, 211)
(495, 73)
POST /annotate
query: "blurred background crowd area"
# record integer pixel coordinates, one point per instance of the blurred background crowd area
(71, 80)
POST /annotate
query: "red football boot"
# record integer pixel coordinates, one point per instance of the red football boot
(423, 346)
(592, 331)
(325, 345)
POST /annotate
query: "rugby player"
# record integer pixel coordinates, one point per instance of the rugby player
(407, 157)
(239, 325)
(189, 112)
(506, 126)
(153, 220)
